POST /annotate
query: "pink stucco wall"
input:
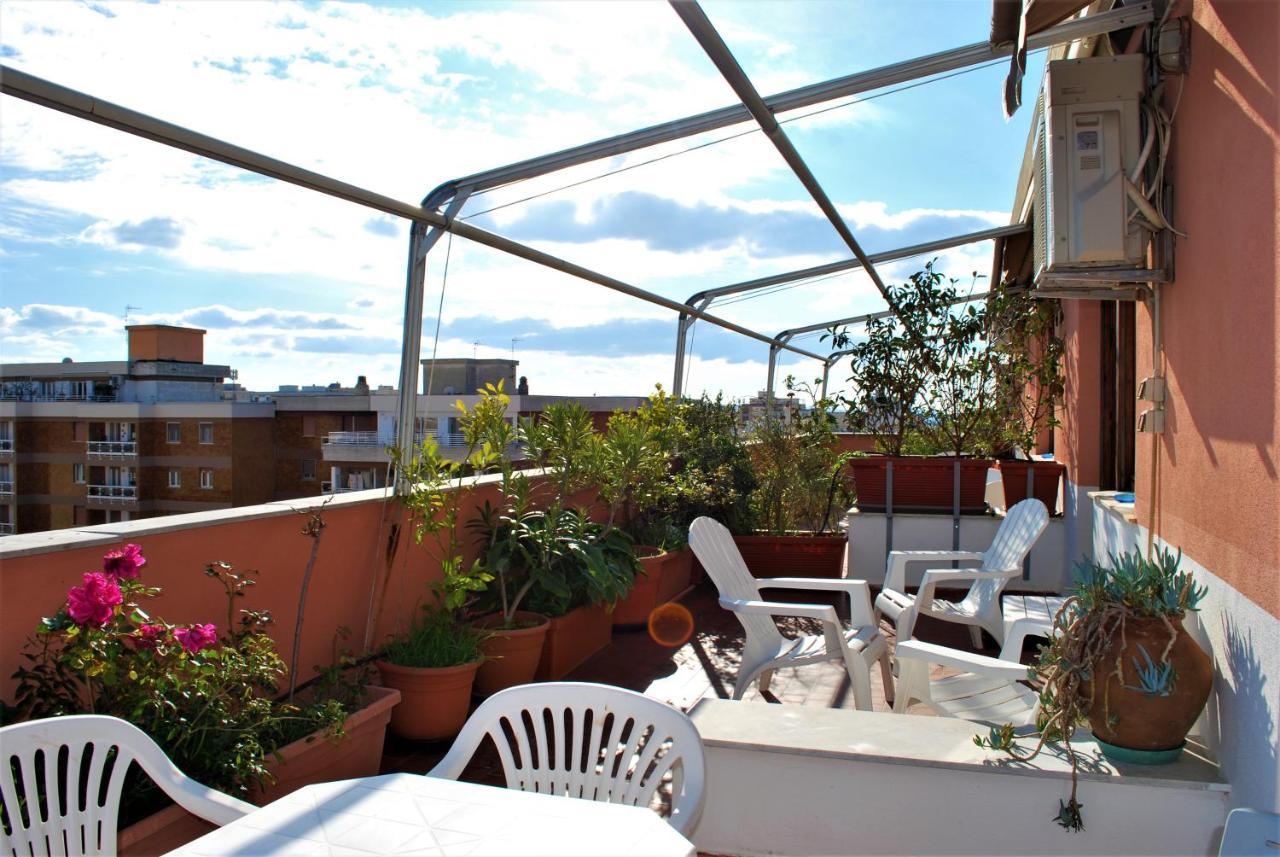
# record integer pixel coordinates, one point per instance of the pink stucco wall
(1217, 492)
(1076, 438)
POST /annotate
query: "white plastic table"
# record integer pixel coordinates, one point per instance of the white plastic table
(1032, 610)
(408, 814)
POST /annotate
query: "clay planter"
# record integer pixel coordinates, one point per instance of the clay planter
(677, 575)
(1046, 475)
(434, 700)
(572, 638)
(659, 580)
(160, 833)
(316, 759)
(511, 657)
(1135, 720)
(309, 760)
(920, 484)
(799, 555)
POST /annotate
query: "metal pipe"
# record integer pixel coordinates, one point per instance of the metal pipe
(851, 264)
(795, 99)
(703, 30)
(30, 88)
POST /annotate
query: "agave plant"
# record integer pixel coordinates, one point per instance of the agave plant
(1072, 666)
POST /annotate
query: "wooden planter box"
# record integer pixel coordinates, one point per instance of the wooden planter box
(920, 484)
(1046, 476)
(313, 759)
(572, 638)
(800, 555)
(677, 575)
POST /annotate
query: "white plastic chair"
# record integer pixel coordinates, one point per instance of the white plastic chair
(990, 690)
(43, 804)
(589, 741)
(767, 650)
(980, 608)
(1249, 832)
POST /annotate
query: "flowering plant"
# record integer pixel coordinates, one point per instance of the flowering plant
(205, 694)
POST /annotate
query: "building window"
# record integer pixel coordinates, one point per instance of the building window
(308, 469)
(308, 426)
(173, 432)
(206, 479)
(206, 432)
(175, 478)
(77, 474)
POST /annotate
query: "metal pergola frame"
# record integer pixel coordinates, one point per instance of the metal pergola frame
(429, 223)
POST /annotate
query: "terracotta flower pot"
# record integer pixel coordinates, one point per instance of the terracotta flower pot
(309, 760)
(161, 832)
(677, 575)
(316, 759)
(920, 483)
(572, 638)
(1045, 478)
(434, 700)
(1123, 715)
(511, 656)
(647, 593)
(800, 555)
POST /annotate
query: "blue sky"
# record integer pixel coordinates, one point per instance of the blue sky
(298, 288)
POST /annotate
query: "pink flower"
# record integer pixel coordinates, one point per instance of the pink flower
(197, 637)
(95, 601)
(148, 636)
(124, 562)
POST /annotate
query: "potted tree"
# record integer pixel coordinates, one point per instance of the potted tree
(712, 472)
(924, 381)
(635, 458)
(1030, 382)
(1121, 661)
(799, 492)
(539, 546)
(434, 661)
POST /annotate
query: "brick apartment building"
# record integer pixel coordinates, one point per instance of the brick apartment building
(163, 433)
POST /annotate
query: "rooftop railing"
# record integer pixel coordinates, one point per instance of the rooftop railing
(11, 396)
(373, 438)
(113, 493)
(112, 447)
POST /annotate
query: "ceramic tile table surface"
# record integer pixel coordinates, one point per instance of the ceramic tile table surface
(408, 814)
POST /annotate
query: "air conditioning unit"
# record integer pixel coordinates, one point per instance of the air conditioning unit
(1088, 139)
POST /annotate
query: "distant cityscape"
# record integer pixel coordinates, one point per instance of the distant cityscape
(163, 432)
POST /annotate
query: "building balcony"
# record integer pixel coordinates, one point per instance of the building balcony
(6, 446)
(6, 529)
(10, 396)
(112, 494)
(6, 487)
(108, 449)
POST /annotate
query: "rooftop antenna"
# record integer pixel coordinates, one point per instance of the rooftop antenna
(474, 347)
(127, 309)
(514, 340)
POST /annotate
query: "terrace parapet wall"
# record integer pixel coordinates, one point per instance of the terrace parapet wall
(369, 575)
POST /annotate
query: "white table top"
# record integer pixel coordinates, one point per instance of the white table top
(408, 814)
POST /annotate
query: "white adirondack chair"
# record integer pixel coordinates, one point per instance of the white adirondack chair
(1250, 832)
(988, 691)
(980, 608)
(766, 649)
(590, 741)
(47, 816)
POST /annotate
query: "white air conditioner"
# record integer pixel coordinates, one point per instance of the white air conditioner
(1088, 138)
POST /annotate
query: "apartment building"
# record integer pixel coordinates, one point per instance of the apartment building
(97, 442)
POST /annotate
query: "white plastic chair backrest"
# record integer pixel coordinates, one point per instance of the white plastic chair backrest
(1250, 832)
(1017, 534)
(590, 741)
(714, 546)
(61, 780)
